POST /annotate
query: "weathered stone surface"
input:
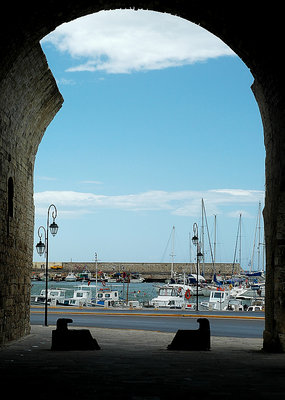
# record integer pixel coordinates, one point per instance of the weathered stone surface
(153, 271)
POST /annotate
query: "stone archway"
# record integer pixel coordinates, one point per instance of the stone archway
(30, 99)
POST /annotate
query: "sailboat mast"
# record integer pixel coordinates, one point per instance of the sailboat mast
(259, 237)
(215, 237)
(240, 242)
(237, 238)
(172, 252)
(254, 243)
(210, 246)
(203, 241)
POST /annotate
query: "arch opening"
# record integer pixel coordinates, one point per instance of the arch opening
(153, 134)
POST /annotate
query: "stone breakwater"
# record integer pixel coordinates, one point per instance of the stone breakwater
(150, 271)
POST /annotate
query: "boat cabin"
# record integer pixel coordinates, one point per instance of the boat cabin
(168, 296)
(107, 297)
(219, 300)
(169, 291)
(55, 296)
(80, 298)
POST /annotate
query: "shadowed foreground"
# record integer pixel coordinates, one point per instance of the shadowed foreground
(137, 365)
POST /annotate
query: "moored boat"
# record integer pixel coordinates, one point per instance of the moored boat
(172, 296)
(84, 296)
(54, 296)
(71, 277)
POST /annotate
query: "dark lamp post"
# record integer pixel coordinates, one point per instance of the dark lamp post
(42, 247)
(199, 255)
(195, 241)
(53, 228)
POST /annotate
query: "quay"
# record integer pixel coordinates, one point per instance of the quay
(136, 365)
(146, 312)
(151, 272)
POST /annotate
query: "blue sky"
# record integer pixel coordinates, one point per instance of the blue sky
(157, 114)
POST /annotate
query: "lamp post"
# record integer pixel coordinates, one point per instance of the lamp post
(42, 247)
(195, 241)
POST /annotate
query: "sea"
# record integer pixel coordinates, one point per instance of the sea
(141, 292)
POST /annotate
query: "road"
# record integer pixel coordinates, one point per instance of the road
(230, 324)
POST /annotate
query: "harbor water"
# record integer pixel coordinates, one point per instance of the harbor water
(142, 292)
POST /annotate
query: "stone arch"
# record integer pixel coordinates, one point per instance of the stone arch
(30, 99)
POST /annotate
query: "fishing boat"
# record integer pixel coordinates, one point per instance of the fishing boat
(118, 277)
(70, 277)
(218, 300)
(168, 296)
(172, 296)
(223, 300)
(106, 297)
(136, 278)
(83, 296)
(85, 276)
(54, 297)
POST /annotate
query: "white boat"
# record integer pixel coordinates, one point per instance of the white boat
(172, 296)
(55, 296)
(255, 308)
(70, 277)
(84, 296)
(219, 300)
(123, 278)
(86, 276)
(81, 297)
(168, 296)
(106, 297)
(136, 278)
(237, 290)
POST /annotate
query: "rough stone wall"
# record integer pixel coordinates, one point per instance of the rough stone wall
(29, 100)
(272, 106)
(157, 268)
(148, 270)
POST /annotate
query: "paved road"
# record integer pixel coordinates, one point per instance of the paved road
(249, 325)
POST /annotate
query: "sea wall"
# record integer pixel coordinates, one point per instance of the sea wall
(150, 271)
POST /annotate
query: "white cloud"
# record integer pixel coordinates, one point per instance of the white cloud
(121, 41)
(183, 203)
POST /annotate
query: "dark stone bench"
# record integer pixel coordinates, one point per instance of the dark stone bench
(192, 339)
(72, 339)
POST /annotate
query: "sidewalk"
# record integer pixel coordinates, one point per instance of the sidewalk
(136, 365)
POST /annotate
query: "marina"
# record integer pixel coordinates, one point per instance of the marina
(188, 286)
(242, 295)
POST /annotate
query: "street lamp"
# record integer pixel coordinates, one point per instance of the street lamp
(195, 241)
(42, 247)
